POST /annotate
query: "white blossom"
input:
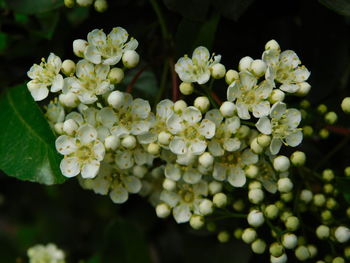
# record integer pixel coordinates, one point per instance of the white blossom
(282, 125)
(250, 96)
(197, 68)
(45, 75)
(46, 254)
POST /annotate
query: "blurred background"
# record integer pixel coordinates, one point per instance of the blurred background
(90, 227)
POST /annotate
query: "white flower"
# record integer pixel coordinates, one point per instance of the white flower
(109, 49)
(55, 112)
(45, 75)
(188, 173)
(223, 139)
(82, 154)
(90, 80)
(284, 68)
(190, 132)
(185, 199)
(197, 68)
(46, 254)
(230, 167)
(282, 126)
(127, 158)
(249, 96)
(133, 117)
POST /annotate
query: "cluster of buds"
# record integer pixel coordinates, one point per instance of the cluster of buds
(99, 5)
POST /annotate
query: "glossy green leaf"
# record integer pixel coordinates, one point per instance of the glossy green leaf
(27, 144)
(341, 7)
(33, 6)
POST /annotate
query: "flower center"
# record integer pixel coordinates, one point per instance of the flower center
(191, 133)
(84, 153)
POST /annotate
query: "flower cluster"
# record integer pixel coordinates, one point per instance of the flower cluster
(46, 254)
(189, 160)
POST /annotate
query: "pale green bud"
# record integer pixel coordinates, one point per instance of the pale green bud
(322, 108)
(202, 103)
(322, 232)
(331, 117)
(298, 158)
(276, 249)
(220, 200)
(328, 175)
(197, 221)
(101, 5)
(231, 76)
(302, 253)
(258, 246)
(271, 211)
(116, 75)
(292, 223)
(223, 236)
(218, 71)
(249, 235)
(345, 105)
(186, 88)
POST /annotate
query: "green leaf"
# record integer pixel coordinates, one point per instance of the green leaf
(343, 185)
(48, 22)
(232, 9)
(341, 7)
(27, 144)
(186, 40)
(125, 243)
(191, 9)
(33, 6)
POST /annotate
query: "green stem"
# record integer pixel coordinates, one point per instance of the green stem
(208, 93)
(161, 19)
(163, 82)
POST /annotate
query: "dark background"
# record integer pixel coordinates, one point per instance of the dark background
(91, 227)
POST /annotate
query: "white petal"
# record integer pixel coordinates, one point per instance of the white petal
(90, 170)
(55, 62)
(38, 91)
(175, 124)
(248, 157)
(294, 139)
(236, 177)
(275, 146)
(242, 111)
(124, 160)
(96, 37)
(277, 110)
(301, 74)
(182, 213)
(232, 124)
(231, 91)
(201, 188)
(192, 176)
(141, 108)
(204, 77)
(197, 146)
(65, 144)
(215, 148)
(165, 109)
(70, 167)
(264, 90)
(264, 125)
(289, 58)
(207, 128)
(261, 109)
(178, 146)
(86, 134)
(84, 69)
(118, 35)
(99, 150)
(170, 198)
(106, 116)
(101, 71)
(92, 54)
(192, 115)
(184, 68)
(201, 56)
(232, 144)
(119, 131)
(294, 117)
(215, 116)
(132, 184)
(147, 138)
(271, 57)
(57, 83)
(219, 172)
(247, 79)
(172, 172)
(131, 45)
(119, 195)
(290, 88)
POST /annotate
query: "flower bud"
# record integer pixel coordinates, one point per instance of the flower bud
(271, 211)
(79, 46)
(255, 146)
(130, 58)
(249, 235)
(101, 5)
(202, 103)
(324, 133)
(304, 89)
(281, 259)
(328, 175)
(197, 221)
(227, 109)
(298, 158)
(258, 246)
(322, 109)
(302, 253)
(206, 207)
(70, 126)
(129, 142)
(186, 88)
(251, 171)
(338, 260)
(69, 3)
(112, 142)
(319, 200)
(218, 71)
(116, 99)
(284, 185)
(347, 252)
(331, 117)
(312, 250)
(139, 171)
(281, 163)
(164, 138)
(84, 2)
(347, 171)
(69, 99)
(289, 240)
(306, 196)
(322, 232)
(256, 196)
(276, 249)
(220, 200)
(231, 76)
(255, 218)
(292, 223)
(223, 236)
(169, 184)
(180, 106)
(345, 105)
(264, 140)
(272, 44)
(243, 131)
(238, 205)
(163, 210)
(342, 234)
(59, 127)
(238, 233)
(68, 67)
(308, 130)
(116, 75)
(258, 67)
(153, 148)
(276, 96)
(245, 63)
(215, 187)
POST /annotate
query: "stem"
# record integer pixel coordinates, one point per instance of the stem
(210, 97)
(174, 81)
(248, 123)
(339, 130)
(162, 83)
(135, 78)
(161, 19)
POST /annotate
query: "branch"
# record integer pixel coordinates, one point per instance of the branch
(174, 82)
(135, 78)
